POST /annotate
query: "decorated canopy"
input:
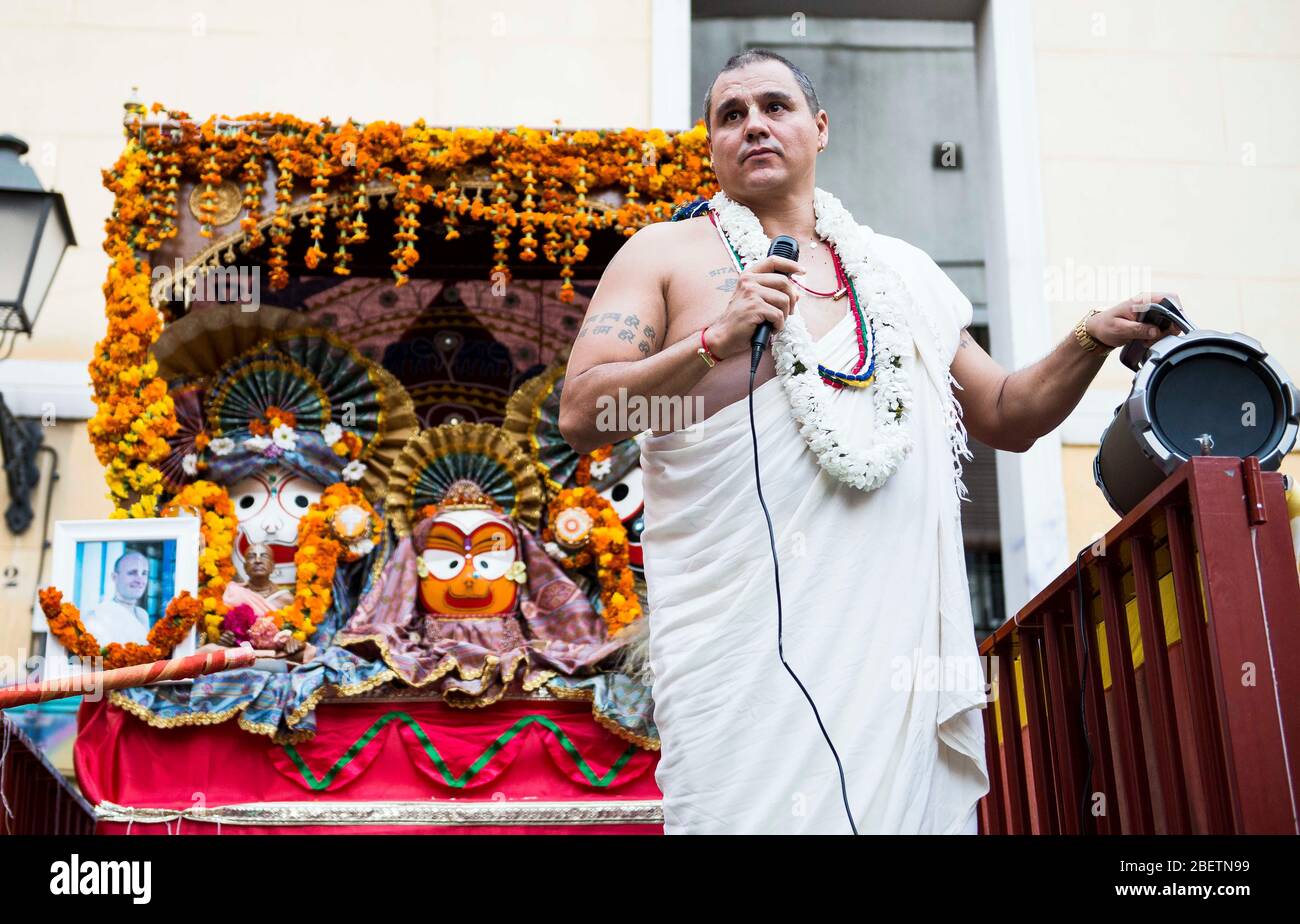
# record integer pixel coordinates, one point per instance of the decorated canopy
(293, 198)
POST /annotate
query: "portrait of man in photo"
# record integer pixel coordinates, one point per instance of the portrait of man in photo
(119, 617)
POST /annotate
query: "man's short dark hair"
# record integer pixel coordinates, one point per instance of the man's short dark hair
(753, 56)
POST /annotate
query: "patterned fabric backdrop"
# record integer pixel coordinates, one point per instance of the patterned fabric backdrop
(458, 348)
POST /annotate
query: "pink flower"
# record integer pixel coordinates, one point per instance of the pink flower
(263, 633)
(238, 620)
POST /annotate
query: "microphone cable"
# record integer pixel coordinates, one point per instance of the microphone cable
(776, 573)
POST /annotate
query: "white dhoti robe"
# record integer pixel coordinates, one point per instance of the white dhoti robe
(877, 619)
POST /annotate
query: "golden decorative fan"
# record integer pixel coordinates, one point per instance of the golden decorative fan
(201, 343)
(437, 458)
(241, 358)
(533, 419)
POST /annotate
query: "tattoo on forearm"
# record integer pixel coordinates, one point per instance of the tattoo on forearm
(966, 340)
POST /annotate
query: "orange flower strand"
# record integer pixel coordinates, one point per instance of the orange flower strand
(607, 547)
(65, 625)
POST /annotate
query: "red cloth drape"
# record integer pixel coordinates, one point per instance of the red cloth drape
(121, 759)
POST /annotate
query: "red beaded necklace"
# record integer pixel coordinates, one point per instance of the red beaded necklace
(835, 379)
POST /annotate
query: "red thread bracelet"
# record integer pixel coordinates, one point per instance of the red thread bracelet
(705, 347)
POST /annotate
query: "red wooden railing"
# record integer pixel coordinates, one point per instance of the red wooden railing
(36, 799)
(1191, 723)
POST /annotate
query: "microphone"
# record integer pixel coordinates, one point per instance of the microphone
(783, 246)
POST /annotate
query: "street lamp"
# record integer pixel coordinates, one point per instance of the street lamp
(34, 232)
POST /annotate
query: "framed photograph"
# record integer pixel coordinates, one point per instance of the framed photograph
(121, 574)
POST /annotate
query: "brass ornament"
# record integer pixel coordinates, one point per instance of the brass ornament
(228, 203)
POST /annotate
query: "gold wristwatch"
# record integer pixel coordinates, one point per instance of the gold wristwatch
(1087, 340)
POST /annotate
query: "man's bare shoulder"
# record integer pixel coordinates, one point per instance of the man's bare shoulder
(673, 235)
(675, 245)
(661, 249)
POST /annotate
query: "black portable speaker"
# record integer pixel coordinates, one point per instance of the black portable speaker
(1201, 392)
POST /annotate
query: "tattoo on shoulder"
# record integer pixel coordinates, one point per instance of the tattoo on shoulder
(728, 284)
(966, 340)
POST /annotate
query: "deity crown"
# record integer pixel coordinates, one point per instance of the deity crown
(464, 494)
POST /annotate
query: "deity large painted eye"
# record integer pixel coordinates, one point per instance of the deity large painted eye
(251, 500)
(493, 565)
(443, 564)
(297, 495)
(626, 495)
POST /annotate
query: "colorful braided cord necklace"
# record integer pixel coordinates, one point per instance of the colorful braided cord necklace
(856, 377)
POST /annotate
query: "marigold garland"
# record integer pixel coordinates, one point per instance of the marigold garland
(65, 624)
(211, 179)
(217, 524)
(316, 212)
(318, 556)
(134, 414)
(129, 431)
(582, 474)
(408, 198)
(607, 546)
(281, 223)
(654, 172)
(253, 174)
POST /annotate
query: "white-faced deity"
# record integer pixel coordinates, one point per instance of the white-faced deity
(269, 507)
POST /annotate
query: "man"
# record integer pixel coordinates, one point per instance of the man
(119, 617)
(863, 496)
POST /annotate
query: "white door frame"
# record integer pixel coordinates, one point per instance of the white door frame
(1031, 492)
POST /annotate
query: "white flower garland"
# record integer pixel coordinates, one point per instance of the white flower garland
(886, 305)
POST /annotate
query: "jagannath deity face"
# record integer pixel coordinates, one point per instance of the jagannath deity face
(466, 564)
(269, 506)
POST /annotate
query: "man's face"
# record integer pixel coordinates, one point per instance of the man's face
(259, 561)
(131, 577)
(756, 108)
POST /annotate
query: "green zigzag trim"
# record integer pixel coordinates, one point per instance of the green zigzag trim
(457, 782)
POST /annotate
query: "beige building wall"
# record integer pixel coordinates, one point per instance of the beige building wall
(67, 68)
(1171, 158)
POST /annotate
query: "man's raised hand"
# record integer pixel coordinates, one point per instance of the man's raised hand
(1117, 325)
(764, 292)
